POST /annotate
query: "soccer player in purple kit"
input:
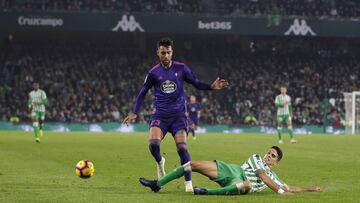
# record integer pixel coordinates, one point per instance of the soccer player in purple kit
(168, 79)
(193, 113)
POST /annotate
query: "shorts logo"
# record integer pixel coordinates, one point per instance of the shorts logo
(155, 123)
(168, 87)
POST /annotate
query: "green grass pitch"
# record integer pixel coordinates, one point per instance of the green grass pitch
(31, 172)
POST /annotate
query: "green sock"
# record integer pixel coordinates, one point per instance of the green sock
(176, 173)
(291, 133)
(228, 190)
(36, 130)
(279, 133)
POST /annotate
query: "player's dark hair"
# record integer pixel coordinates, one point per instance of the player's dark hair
(279, 152)
(166, 42)
(283, 85)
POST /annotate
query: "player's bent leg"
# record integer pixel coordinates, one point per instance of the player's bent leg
(292, 140)
(41, 125)
(180, 139)
(206, 168)
(150, 183)
(194, 127)
(239, 188)
(279, 127)
(156, 185)
(155, 137)
(175, 174)
(36, 129)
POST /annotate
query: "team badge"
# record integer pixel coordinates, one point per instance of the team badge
(168, 87)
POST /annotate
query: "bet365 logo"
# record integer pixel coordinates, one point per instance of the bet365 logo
(128, 24)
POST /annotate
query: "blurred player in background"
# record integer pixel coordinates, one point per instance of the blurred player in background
(168, 79)
(37, 102)
(193, 113)
(253, 176)
(284, 113)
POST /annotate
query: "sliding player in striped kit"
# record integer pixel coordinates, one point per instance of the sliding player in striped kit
(284, 113)
(254, 175)
(37, 102)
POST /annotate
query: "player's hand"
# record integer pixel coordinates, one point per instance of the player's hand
(186, 114)
(315, 189)
(286, 188)
(287, 193)
(219, 84)
(129, 119)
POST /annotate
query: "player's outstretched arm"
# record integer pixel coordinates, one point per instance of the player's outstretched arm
(219, 84)
(295, 189)
(271, 184)
(148, 83)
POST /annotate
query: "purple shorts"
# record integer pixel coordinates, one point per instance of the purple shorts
(194, 120)
(172, 125)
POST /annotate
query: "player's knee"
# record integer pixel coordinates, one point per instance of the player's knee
(154, 143)
(187, 166)
(194, 165)
(181, 147)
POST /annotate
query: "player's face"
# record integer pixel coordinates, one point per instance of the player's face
(35, 86)
(283, 90)
(192, 99)
(165, 55)
(271, 157)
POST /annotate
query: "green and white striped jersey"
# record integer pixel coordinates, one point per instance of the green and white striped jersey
(280, 100)
(37, 100)
(254, 163)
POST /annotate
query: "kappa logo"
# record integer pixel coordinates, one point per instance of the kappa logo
(168, 87)
(128, 24)
(298, 28)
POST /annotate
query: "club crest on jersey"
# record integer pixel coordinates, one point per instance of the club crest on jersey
(168, 87)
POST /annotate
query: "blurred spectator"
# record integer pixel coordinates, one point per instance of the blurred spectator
(95, 81)
(316, 8)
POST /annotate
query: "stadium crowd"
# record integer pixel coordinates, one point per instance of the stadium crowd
(92, 82)
(316, 8)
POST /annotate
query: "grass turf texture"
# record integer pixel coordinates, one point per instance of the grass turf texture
(31, 172)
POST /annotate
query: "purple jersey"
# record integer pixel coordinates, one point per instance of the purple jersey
(193, 109)
(169, 89)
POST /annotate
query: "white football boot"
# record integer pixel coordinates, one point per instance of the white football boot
(189, 186)
(160, 168)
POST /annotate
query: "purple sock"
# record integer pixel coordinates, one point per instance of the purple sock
(184, 157)
(154, 147)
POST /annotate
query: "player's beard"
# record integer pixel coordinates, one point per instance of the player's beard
(166, 63)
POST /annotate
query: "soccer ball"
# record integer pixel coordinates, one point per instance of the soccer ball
(85, 169)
